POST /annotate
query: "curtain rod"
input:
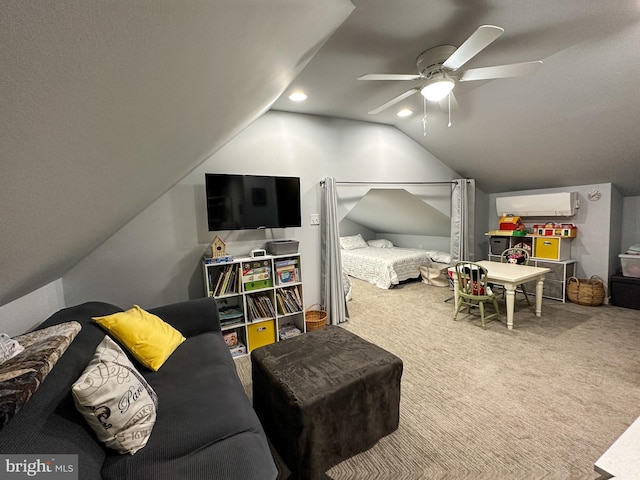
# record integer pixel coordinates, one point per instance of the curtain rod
(392, 183)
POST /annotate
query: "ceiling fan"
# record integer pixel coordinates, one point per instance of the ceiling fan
(439, 68)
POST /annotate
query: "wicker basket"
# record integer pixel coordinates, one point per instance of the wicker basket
(586, 292)
(315, 319)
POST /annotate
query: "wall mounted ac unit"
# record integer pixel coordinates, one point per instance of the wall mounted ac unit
(562, 204)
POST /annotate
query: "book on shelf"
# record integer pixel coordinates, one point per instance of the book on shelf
(260, 306)
(229, 311)
(226, 283)
(288, 331)
(287, 274)
(230, 315)
(289, 300)
(284, 263)
(256, 275)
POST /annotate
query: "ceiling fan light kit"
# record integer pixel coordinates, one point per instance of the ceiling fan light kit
(438, 87)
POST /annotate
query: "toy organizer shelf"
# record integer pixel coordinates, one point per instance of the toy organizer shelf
(546, 251)
(259, 299)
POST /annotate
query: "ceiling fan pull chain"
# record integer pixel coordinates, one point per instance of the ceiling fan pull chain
(449, 109)
(424, 117)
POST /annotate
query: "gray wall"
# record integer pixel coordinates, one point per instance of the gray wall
(27, 312)
(615, 230)
(155, 258)
(630, 222)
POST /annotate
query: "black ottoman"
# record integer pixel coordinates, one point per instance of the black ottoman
(324, 396)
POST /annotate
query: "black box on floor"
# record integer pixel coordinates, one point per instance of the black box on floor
(625, 291)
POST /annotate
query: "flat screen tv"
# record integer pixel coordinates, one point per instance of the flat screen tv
(242, 202)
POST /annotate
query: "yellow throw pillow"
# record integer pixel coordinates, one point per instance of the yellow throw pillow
(149, 339)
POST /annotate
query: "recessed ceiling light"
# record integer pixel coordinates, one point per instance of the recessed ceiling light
(298, 97)
(405, 112)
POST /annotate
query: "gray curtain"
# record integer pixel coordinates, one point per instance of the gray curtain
(333, 298)
(463, 201)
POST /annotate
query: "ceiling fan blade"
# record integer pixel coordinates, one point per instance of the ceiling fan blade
(501, 71)
(444, 103)
(388, 76)
(393, 101)
(478, 41)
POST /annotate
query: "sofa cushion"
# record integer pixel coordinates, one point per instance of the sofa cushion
(149, 339)
(21, 375)
(115, 400)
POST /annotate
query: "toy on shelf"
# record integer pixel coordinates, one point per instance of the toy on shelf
(550, 229)
(511, 222)
(510, 225)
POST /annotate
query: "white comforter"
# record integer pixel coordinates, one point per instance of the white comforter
(384, 267)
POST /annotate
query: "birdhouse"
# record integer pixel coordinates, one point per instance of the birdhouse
(218, 248)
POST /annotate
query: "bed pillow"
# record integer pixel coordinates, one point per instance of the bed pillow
(439, 257)
(352, 242)
(380, 243)
(149, 339)
(115, 400)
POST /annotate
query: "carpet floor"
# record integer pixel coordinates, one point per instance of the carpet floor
(543, 400)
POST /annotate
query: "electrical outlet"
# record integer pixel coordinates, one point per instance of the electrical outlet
(314, 219)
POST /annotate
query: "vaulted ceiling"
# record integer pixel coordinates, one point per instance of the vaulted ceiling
(572, 122)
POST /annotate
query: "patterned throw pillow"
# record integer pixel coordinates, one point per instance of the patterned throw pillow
(380, 243)
(115, 400)
(21, 375)
(149, 339)
(352, 242)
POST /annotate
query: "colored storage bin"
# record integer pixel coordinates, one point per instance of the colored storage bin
(282, 247)
(498, 244)
(552, 248)
(261, 334)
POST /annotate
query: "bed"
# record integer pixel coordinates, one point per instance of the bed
(382, 264)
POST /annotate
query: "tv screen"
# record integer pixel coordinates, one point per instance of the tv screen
(242, 202)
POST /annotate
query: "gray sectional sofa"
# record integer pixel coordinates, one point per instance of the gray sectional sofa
(205, 426)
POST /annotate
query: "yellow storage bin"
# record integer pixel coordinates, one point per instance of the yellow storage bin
(261, 333)
(552, 248)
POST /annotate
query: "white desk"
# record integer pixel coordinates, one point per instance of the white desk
(510, 275)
